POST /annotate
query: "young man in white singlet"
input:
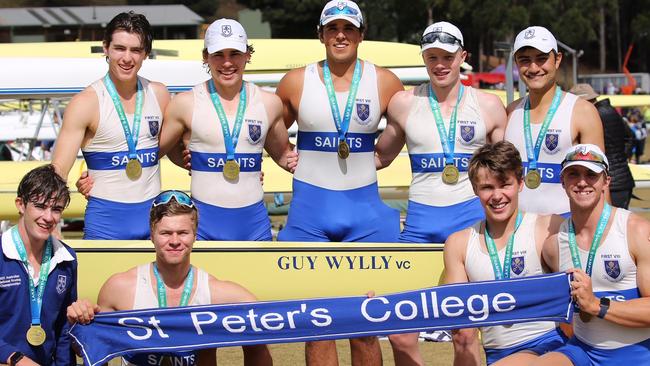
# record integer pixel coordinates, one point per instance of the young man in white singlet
(440, 191)
(226, 182)
(173, 224)
(500, 247)
(115, 121)
(338, 104)
(547, 122)
(607, 250)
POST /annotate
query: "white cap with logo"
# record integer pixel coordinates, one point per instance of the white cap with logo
(443, 35)
(342, 9)
(589, 156)
(536, 37)
(225, 33)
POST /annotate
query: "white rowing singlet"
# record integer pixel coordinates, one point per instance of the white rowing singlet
(147, 298)
(525, 262)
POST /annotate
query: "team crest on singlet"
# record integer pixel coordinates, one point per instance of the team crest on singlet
(154, 125)
(363, 113)
(517, 264)
(61, 283)
(466, 132)
(612, 268)
(552, 143)
(254, 131)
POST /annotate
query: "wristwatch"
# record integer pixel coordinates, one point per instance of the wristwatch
(604, 306)
(15, 358)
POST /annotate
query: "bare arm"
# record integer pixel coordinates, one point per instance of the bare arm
(81, 116)
(494, 115)
(178, 117)
(290, 91)
(393, 138)
(466, 343)
(277, 138)
(627, 313)
(118, 292)
(586, 125)
(389, 85)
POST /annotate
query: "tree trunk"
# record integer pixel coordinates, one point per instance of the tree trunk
(480, 53)
(602, 38)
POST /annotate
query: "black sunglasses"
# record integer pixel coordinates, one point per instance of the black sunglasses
(443, 37)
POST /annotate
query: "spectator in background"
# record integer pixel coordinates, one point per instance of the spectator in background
(619, 140)
(640, 133)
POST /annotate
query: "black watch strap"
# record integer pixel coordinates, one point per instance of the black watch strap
(604, 306)
(15, 358)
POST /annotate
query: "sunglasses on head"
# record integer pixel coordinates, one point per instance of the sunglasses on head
(347, 10)
(181, 197)
(585, 156)
(442, 37)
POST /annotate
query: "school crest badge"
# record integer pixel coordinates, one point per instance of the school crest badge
(61, 284)
(467, 133)
(529, 34)
(612, 268)
(154, 126)
(552, 143)
(254, 131)
(226, 30)
(517, 264)
(363, 112)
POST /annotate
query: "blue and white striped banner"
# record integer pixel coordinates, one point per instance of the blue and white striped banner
(464, 305)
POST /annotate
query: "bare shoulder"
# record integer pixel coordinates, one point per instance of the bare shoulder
(512, 106)
(83, 108)
(489, 100)
(583, 109)
(182, 100)
(402, 99)
(550, 223)
(270, 100)
(457, 242)
(159, 88)
(118, 291)
(386, 75)
(638, 229)
(226, 292)
(86, 98)
(292, 77)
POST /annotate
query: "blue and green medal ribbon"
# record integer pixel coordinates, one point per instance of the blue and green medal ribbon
(162, 292)
(342, 125)
(447, 140)
(500, 273)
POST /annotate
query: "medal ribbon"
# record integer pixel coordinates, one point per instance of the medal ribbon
(494, 255)
(595, 243)
(162, 293)
(533, 154)
(229, 139)
(131, 136)
(447, 141)
(35, 295)
(342, 125)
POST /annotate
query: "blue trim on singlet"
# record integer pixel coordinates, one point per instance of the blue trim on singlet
(329, 141)
(96, 160)
(250, 223)
(545, 343)
(433, 224)
(435, 163)
(582, 354)
(214, 162)
(187, 358)
(110, 220)
(355, 215)
(549, 172)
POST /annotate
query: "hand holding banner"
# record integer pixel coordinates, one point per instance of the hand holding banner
(453, 306)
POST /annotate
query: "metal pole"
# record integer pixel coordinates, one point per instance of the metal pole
(32, 143)
(510, 82)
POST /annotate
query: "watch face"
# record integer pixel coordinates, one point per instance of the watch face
(605, 301)
(16, 357)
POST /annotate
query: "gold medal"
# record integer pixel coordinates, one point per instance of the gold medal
(36, 335)
(344, 149)
(585, 317)
(231, 170)
(133, 169)
(533, 179)
(450, 174)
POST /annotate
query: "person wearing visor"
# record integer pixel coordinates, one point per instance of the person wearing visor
(607, 251)
(507, 244)
(442, 122)
(338, 103)
(115, 121)
(169, 281)
(226, 123)
(547, 122)
(38, 276)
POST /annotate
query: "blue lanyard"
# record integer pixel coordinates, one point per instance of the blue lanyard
(162, 293)
(229, 140)
(35, 295)
(494, 255)
(131, 136)
(447, 141)
(595, 243)
(533, 155)
(342, 125)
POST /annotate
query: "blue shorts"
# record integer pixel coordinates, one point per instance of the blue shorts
(433, 224)
(250, 223)
(110, 220)
(582, 354)
(355, 215)
(545, 343)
